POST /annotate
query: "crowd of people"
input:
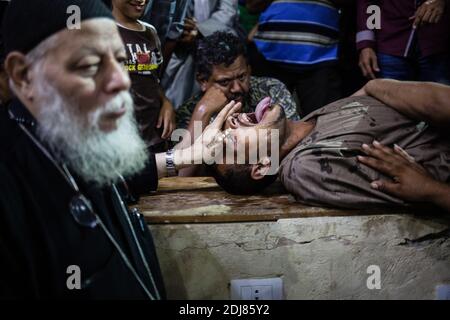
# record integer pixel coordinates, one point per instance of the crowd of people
(350, 116)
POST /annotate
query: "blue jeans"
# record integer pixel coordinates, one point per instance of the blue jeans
(434, 68)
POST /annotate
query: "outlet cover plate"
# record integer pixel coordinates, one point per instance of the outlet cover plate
(257, 289)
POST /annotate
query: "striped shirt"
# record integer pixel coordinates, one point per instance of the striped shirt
(299, 32)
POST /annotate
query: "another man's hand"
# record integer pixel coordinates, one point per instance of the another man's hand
(212, 101)
(368, 63)
(409, 181)
(166, 119)
(430, 11)
(190, 32)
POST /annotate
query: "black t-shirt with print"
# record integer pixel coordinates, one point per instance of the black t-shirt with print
(144, 59)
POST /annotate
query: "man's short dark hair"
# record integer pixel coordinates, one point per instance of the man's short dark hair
(219, 48)
(237, 179)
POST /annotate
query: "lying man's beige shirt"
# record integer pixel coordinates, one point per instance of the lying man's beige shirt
(323, 168)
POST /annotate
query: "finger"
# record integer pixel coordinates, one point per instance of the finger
(426, 16)
(386, 186)
(166, 127)
(159, 123)
(234, 110)
(377, 164)
(401, 152)
(172, 127)
(375, 64)
(418, 18)
(432, 16)
(387, 154)
(378, 145)
(369, 71)
(437, 18)
(377, 152)
(363, 69)
(373, 163)
(230, 108)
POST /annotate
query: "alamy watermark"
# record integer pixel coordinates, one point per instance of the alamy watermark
(374, 280)
(73, 281)
(74, 19)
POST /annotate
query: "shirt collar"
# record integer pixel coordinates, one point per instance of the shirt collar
(20, 114)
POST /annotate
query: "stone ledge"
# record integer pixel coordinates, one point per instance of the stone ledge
(200, 200)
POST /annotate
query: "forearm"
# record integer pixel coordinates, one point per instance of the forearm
(168, 49)
(201, 115)
(162, 96)
(424, 101)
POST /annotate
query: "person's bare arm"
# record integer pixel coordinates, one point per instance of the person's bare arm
(410, 181)
(424, 101)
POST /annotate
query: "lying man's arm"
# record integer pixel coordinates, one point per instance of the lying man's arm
(424, 101)
(409, 181)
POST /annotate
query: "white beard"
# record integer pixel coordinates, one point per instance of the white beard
(96, 156)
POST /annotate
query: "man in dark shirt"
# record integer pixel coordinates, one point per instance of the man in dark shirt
(412, 41)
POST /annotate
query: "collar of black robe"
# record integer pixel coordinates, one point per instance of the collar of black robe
(22, 115)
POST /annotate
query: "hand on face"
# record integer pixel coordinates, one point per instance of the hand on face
(409, 181)
(213, 100)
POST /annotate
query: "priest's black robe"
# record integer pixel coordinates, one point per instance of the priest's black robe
(40, 240)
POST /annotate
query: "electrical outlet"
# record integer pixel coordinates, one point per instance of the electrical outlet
(257, 289)
(443, 292)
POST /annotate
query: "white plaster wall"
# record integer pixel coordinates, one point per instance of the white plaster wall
(317, 258)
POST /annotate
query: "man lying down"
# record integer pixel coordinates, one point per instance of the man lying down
(320, 153)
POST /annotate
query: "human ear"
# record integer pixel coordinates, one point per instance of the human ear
(261, 169)
(17, 68)
(202, 82)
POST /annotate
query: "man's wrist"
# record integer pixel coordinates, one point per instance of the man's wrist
(183, 158)
(437, 192)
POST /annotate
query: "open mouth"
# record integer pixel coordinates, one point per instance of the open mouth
(257, 116)
(254, 118)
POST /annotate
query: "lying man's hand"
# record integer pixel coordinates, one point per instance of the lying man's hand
(409, 181)
(209, 146)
